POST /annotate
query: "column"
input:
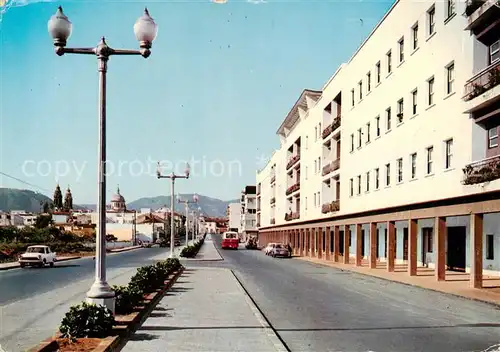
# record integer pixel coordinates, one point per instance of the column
(476, 250)
(311, 242)
(336, 243)
(301, 242)
(373, 245)
(320, 235)
(391, 245)
(412, 246)
(347, 236)
(439, 250)
(328, 242)
(359, 255)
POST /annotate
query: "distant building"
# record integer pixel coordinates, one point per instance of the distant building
(248, 215)
(234, 216)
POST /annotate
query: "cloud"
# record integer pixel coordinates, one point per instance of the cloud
(257, 1)
(7, 4)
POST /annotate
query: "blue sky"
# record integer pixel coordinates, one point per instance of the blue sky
(218, 83)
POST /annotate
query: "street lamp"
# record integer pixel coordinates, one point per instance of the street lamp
(60, 28)
(172, 177)
(186, 203)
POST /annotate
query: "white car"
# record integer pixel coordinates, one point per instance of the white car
(37, 256)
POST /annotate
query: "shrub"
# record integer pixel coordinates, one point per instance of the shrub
(87, 320)
(191, 251)
(126, 298)
(146, 279)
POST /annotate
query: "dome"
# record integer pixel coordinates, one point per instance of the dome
(118, 198)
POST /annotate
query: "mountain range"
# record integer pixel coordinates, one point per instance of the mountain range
(21, 199)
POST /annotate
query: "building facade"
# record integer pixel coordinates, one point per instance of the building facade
(248, 215)
(234, 216)
(395, 159)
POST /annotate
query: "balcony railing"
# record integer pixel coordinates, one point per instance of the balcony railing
(273, 200)
(293, 188)
(273, 178)
(482, 171)
(330, 128)
(292, 161)
(472, 5)
(292, 216)
(273, 221)
(483, 81)
(330, 167)
(330, 207)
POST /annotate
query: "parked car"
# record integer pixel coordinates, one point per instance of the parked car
(269, 248)
(280, 250)
(230, 240)
(37, 256)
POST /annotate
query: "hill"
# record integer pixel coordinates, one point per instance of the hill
(21, 199)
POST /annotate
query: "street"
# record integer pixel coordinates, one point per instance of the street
(316, 308)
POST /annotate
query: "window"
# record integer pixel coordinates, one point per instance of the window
(414, 34)
(450, 8)
(401, 45)
(400, 110)
(352, 96)
(494, 51)
(377, 66)
(369, 81)
(306, 203)
(307, 142)
(388, 115)
(490, 254)
(413, 159)
(319, 164)
(368, 132)
(368, 181)
(377, 125)
(315, 200)
(414, 99)
(316, 133)
(400, 169)
(360, 86)
(449, 153)
(359, 137)
(387, 174)
(352, 142)
(315, 166)
(430, 96)
(493, 137)
(351, 187)
(319, 130)
(431, 20)
(389, 62)
(430, 150)
(359, 184)
(377, 178)
(450, 78)
(306, 172)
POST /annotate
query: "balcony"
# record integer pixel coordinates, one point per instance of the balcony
(482, 171)
(330, 128)
(273, 200)
(330, 207)
(483, 18)
(293, 188)
(483, 81)
(292, 216)
(273, 178)
(294, 159)
(330, 167)
(273, 221)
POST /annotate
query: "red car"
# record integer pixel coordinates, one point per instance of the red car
(230, 240)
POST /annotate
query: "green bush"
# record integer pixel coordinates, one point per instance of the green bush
(146, 279)
(192, 251)
(127, 298)
(87, 320)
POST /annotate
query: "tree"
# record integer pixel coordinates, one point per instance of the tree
(43, 220)
(46, 207)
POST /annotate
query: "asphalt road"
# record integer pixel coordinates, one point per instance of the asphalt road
(17, 284)
(318, 308)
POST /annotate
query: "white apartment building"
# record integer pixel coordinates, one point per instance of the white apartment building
(234, 216)
(399, 147)
(248, 215)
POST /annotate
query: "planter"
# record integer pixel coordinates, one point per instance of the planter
(124, 327)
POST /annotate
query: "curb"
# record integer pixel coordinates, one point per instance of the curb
(125, 249)
(117, 342)
(65, 259)
(495, 305)
(277, 341)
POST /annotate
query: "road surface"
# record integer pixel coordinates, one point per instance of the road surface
(33, 301)
(317, 308)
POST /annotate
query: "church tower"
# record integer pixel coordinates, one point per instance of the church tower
(68, 200)
(58, 201)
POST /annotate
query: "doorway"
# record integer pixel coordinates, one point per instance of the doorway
(426, 244)
(405, 243)
(378, 241)
(455, 257)
(341, 242)
(362, 243)
(385, 243)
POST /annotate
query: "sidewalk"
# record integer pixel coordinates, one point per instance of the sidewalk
(206, 311)
(456, 283)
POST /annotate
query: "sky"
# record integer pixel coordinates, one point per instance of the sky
(219, 82)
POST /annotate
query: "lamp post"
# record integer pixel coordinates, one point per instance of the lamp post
(172, 177)
(186, 203)
(145, 30)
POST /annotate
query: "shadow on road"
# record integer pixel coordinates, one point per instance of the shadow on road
(143, 337)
